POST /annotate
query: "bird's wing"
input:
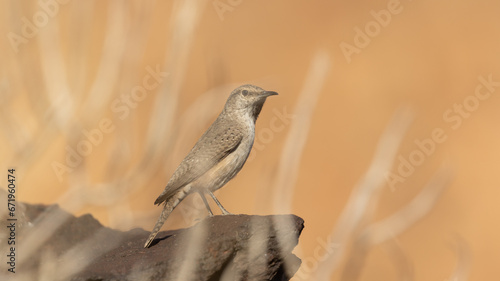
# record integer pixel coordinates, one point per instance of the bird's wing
(210, 149)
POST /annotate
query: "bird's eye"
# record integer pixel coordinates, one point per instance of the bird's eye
(244, 92)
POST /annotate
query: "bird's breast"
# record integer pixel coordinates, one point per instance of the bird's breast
(228, 167)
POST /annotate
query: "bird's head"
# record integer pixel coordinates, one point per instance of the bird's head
(247, 98)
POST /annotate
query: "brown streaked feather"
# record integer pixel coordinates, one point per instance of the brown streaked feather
(209, 150)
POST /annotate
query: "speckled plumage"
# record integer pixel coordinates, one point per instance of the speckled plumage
(218, 155)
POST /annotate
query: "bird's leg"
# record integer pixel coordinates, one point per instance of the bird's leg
(206, 203)
(224, 212)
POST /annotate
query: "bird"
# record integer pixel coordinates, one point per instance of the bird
(217, 156)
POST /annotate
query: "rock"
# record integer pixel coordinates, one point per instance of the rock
(232, 247)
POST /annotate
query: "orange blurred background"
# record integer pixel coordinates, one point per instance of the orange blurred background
(69, 66)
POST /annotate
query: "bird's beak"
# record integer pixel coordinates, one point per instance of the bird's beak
(269, 93)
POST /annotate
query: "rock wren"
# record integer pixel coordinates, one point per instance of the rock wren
(217, 156)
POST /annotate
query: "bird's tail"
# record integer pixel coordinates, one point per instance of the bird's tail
(170, 204)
